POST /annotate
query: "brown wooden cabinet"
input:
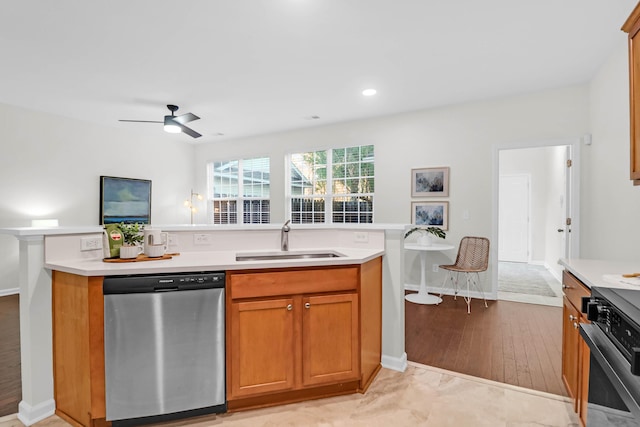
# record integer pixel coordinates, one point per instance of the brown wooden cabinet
(262, 350)
(575, 352)
(268, 345)
(329, 338)
(78, 349)
(296, 334)
(632, 27)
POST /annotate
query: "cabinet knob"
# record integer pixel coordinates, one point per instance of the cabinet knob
(290, 307)
(307, 305)
(575, 325)
(572, 317)
(564, 286)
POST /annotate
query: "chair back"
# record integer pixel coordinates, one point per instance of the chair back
(473, 254)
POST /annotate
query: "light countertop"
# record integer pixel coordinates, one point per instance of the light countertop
(206, 261)
(601, 273)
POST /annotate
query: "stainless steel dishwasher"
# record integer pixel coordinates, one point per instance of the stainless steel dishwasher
(164, 346)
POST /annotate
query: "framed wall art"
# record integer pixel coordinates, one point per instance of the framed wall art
(125, 200)
(430, 214)
(430, 182)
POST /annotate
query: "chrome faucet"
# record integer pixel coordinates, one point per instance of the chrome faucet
(284, 236)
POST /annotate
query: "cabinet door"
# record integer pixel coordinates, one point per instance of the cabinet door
(570, 349)
(632, 26)
(634, 86)
(330, 338)
(262, 347)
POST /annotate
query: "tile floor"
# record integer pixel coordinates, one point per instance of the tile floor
(420, 396)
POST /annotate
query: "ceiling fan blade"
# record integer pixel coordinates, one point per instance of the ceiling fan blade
(186, 118)
(141, 121)
(189, 131)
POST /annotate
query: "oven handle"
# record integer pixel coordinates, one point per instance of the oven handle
(615, 366)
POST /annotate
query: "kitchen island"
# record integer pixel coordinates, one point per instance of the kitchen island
(48, 250)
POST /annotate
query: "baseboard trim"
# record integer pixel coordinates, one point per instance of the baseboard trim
(7, 292)
(395, 363)
(30, 415)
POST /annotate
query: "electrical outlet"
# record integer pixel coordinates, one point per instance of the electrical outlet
(361, 237)
(173, 239)
(202, 239)
(90, 243)
(435, 268)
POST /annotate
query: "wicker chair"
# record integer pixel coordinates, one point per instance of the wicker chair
(472, 258)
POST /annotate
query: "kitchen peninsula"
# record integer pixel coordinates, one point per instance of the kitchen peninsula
(365, 251)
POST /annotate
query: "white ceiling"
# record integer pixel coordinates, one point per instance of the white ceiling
(250, 67)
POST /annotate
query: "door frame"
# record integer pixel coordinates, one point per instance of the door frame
(573, 202)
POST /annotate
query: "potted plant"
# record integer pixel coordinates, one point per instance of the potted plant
(131, 239)
(426, 234)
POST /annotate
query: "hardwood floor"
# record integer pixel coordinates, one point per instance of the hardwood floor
(10, 381)
(509, 342)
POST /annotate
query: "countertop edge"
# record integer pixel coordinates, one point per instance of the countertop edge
(205, 261)
(592, 272)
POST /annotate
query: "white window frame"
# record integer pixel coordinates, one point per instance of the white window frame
(329, 195)
(239, 199)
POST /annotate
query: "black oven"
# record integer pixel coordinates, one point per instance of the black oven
(613, 338)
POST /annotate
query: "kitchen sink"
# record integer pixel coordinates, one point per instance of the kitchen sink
(274, 256)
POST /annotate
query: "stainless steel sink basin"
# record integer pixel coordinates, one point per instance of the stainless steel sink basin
(274, 256)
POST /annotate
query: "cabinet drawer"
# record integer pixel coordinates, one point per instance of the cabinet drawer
(574, 289)
(267, 283)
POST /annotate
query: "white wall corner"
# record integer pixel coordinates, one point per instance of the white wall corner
(30, 415)
(395, 363)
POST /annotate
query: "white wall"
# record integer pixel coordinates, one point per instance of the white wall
(610, 203)
(459, 136)
(51, 164)
(50, 168)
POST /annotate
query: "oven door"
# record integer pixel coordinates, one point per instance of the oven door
(614, 392)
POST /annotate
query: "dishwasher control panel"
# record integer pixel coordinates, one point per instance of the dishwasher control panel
(139, 283)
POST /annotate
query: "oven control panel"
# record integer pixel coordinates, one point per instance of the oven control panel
(624, 334)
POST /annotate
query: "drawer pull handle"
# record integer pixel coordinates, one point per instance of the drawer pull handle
(307, 305)
(290, 307)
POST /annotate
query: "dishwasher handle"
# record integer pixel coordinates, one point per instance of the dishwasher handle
(165, 289)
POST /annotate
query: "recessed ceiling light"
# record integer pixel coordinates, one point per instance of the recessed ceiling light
(369, 92)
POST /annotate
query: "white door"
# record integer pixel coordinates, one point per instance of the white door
(513, 218)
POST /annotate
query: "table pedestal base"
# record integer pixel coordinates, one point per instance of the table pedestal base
(423, 298)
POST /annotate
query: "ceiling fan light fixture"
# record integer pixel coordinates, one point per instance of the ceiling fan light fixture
(170, 126)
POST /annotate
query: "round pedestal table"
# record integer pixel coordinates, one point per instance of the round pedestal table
(423, 297)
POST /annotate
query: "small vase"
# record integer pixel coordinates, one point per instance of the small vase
(425, 240)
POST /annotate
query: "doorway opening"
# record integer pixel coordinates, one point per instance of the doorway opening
(535, 215)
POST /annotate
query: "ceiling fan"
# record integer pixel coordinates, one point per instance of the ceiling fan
(173, 123)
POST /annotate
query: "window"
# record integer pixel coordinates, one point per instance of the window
(231, 197)
(332, 186)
